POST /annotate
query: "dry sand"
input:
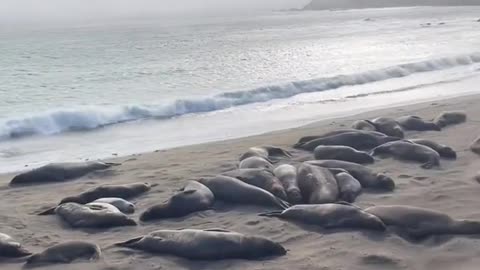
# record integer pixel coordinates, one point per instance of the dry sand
(451, 189)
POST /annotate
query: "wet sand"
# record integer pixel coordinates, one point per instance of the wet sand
(451, 189)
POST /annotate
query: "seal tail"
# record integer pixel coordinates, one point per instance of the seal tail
(466, 227)
(272, 214)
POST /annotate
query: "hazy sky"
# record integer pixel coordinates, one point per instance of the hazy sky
(52, 10)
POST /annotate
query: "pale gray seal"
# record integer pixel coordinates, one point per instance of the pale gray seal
(287, 174)
(92, 216)
(261, 178)
(65, 253)
(255, 163)
(306, 139)
(443, 150)
(340, 152)
(412, 122)
(388, 126)
(364, 175)
(421, 222)
(11, 248)
(232, 190)
(450, 118)
(363, 125)
(317, 184)
(330, 216)
(101, 205)
(58, 172)
(193, 197)
(266, 152)
(206, 244)
(123, 205)
(348, 186)
(406, 150)
(357, 140)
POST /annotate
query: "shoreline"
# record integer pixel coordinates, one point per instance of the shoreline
(340, 115)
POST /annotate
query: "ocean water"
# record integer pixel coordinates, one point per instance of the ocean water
(71, 93)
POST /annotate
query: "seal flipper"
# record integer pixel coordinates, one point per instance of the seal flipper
(129, 243)
(50, 211)
(217, 230)
(272, 214)
(282, 204)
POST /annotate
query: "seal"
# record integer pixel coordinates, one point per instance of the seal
(124, 206)
(406, 150)
(261, 178)
(93, 216)
(266, 152)
(210, 244)
(192, 198)
(58, 172)
(420, 222)
(330, 216)
(344, 153)
(364, 175)
(357, 140)
(348, 186)
(11, 248)
(232, 190)
(388, 126)
(121, 191)
(103, 206)
(363, 125)
(287, 174)
(255, 163)
(411, 122)
(317, 184)
(65, 253)
(450, 118)
(340, 131)
(443, 150)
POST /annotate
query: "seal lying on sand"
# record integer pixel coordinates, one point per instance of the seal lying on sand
(344, 153)
(192, 198)
(348, 186)
(421, 222)
(364, 175)
(340, 131)
(92, 216)
(330, 216)
(121, 191)
(450, 118)
(409, 151)
(357, 140)
(232, 190)
(124, 206)
(363, 125)
(65, 253)
(205, 244)
(255, 163)
(262, 178)
(58, 172)
(317, 184)
(287, 174)
(388, 126)
(443, 150)
(411, 122)
(266, 152)
(11, 248)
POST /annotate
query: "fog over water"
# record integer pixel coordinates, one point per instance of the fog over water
(28, 11)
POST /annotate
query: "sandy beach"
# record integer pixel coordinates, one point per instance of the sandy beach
(450, 189)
